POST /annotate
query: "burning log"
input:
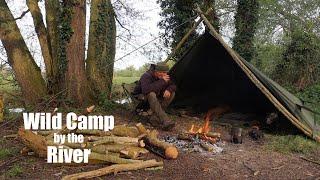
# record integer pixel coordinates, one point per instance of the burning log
(158, 147)
(206, 147)
(185, 136)
(114, 169)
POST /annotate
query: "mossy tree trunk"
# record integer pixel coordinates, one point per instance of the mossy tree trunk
(50, 63)
(26, 71)
(76, 83)
(246, 20)
(101, 50)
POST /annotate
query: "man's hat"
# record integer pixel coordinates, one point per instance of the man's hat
(162, 66)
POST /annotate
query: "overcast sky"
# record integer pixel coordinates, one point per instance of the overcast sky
(142, 28)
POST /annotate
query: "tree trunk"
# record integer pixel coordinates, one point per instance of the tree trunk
(212, 16)
(246, 20)
(76, 82)
(26, 71)
(51, 65)
(101, 51)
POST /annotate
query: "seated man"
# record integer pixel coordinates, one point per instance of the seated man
(157, 88)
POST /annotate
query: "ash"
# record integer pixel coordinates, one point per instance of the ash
(195, 145)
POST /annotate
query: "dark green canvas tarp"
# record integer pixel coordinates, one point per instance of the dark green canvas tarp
(212, 74)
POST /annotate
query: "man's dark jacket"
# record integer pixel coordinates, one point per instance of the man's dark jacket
(149, 83)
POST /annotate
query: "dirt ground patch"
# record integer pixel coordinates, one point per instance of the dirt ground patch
(250, 160)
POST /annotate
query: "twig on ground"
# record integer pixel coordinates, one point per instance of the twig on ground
(310, 160)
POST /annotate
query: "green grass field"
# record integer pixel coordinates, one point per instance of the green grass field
(128, 80)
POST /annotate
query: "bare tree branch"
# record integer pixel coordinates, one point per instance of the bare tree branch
(122, 25)
(20, 17)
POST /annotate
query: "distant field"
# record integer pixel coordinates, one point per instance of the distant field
(120, 80)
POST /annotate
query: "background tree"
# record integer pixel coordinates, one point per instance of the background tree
(101, 51)
(62, 45)
(27, 73)
(246, 20)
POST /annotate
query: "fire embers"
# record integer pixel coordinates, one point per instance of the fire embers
(193, 143)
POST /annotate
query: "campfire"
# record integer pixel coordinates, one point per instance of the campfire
(204, 131)
(198, 139)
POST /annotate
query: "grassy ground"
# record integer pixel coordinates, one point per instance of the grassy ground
(287, 144)
(120, 80)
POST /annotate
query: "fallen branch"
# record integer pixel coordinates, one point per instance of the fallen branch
(114, 169)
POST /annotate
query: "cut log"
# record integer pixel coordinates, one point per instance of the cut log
(141, 128)
(185, 136)
(206, 147)
(111, 158)
(109, 147)
(163, 149)
(133, 152)
(35, 142)
(114, 169)
(213, 134)
(93, 132)
(125, 131)
(115, 139)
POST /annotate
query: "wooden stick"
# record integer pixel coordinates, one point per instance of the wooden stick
(114, 169)
(310, 160)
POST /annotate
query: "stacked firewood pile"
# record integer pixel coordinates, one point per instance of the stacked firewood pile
(123, 147)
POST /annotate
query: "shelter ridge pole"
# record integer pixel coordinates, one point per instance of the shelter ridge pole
(185, 37)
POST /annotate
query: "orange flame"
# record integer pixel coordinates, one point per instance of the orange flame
(205, 128)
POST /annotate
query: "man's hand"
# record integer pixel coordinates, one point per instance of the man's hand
(166, 94)
(166, 77)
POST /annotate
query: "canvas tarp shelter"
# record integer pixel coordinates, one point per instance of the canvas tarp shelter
(211, 73)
